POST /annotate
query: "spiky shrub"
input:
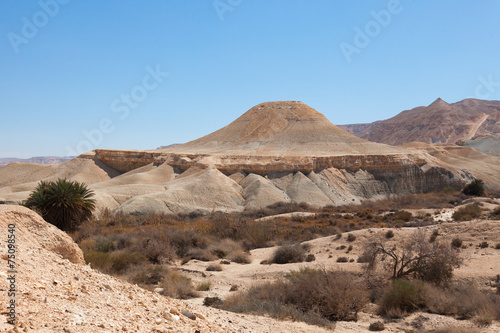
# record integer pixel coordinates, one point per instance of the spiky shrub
(64, 203)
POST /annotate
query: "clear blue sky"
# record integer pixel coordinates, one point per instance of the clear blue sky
(74, 70)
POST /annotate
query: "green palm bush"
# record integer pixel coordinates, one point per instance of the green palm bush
(64, 203)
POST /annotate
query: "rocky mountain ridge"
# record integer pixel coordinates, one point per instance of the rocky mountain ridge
(440, 122)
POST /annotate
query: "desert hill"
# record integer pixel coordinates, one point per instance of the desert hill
(439, 122)
(275, 152)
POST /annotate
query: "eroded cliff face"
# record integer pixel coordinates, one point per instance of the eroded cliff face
(200, 182)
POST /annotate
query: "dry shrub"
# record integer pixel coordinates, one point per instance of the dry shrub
(225, 248)
(183, 241)
(414, 257)
(104, 244)
(214, 268)
(336, 295)
(495, 213)
(240, 257)
(310, 295)
(288, 254)
(87, 245)
(464, 301)
(177, 285)
(98, 260)
(402, 216)
(204, 286)
(376, 327)
(351, 237)
(121, 261)
(212, 301)
(456, 242)
(483, 245)
(484, 316)
(389, 234)
(400, 299)
(467, 213)
(310, 257)
(201, 254)
(154, 244)
(342, 259)
(146, 274)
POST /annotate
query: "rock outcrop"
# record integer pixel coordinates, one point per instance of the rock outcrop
(31, 229)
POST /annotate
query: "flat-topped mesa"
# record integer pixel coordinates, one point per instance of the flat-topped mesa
(286, 128)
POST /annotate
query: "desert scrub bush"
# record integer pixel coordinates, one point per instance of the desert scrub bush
(310, 257)
(240, 257)
(342, 259)
(376, 327)
(104, 244)
(98, 260)
(116, 262)
(483, 245)
(336, 295)
(467, 213)
(121, 261)
(456, 242)
(212, 301)
(287, 254)
(495, 213)
(176, 285)
(351, 237)
(63, 203)
(461, 300)
(402, 216)
(155, 244)
(497, 246)
(204, 286)
(474, 188)
(148, 274)
(310, 295)
(400, 299)
(415, 257)
(214, 268)
(268, 299)
(389, 234)
(201, 254)
(225, 248)
(434, 235)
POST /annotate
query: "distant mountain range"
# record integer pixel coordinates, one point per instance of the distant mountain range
(439, 122)
(36, 160)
